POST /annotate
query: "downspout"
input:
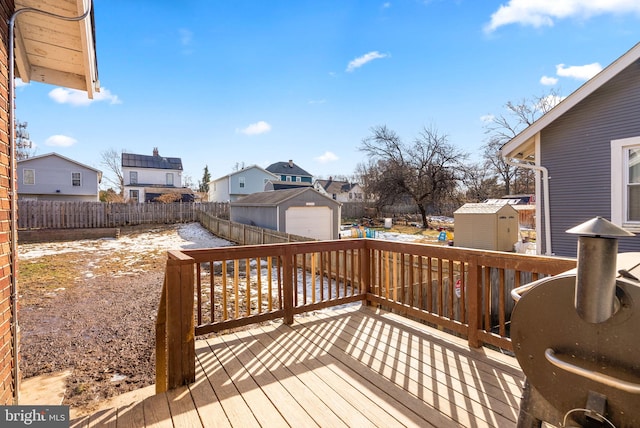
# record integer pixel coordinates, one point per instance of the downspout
(544, 175)
(13, 181)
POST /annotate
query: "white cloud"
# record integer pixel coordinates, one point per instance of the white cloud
(548, 81)
(539, 13)
(317, 101)
(257, 128)
(360, 61)
(487, 118)
(19, 83)
(579, 72)
(386, 5)
(60, 141)
(327, 157)
(186, 36)
(79, 98)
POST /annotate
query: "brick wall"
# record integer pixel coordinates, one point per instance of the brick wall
(6, 338)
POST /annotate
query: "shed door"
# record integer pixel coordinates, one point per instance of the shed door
(312, 222)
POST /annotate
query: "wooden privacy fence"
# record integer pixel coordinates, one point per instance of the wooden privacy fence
(462, 291)
(84, 215)
(244, 234)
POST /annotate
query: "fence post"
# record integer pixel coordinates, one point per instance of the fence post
(177, 366)
(474, 284)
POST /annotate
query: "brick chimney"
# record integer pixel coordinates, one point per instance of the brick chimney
(155, 151)
(290, 163)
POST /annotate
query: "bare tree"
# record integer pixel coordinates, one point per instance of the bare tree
(501, 129)
(112, 161)
(426, 171)
(480, 184)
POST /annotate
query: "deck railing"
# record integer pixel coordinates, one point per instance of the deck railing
(463, 291)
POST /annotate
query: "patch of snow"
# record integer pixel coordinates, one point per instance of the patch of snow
(184, 236)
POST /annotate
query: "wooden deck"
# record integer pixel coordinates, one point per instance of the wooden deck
(354, 366)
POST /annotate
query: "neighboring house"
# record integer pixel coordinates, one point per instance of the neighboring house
(341, 191)
(586, 151)
(148, 177)
(69, 60)
(53, 177)
(240, 183)
(288, 171)
(303, 211)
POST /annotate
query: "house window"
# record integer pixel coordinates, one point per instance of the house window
(298, 179)
(288, 178)
(133, 177)
(169, 179)
(625, 182)
(241, 182)
(75, 179)
(134, 195)
(28, 176)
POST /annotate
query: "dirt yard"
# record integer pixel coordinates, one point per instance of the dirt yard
(90, 306)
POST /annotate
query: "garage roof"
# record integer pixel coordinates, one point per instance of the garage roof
(276, 197)
(55, 51)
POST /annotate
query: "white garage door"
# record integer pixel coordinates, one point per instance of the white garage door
(312, 222)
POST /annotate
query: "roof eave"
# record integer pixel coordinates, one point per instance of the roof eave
(521, 142)
(49, 67)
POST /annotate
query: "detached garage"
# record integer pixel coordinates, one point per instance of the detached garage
(486, 227)
(303, 211)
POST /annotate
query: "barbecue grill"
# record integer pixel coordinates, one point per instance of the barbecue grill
(577, 337)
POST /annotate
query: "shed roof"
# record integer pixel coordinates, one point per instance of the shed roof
(56, 51)
(480, 208)
(276, 197)
(287, 168)
(144, 161)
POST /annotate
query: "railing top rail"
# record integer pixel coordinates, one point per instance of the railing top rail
(265, 250)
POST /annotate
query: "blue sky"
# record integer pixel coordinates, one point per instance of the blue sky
(221, 83)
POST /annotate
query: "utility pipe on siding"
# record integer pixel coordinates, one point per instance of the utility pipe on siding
(544, 173)
(13, 179)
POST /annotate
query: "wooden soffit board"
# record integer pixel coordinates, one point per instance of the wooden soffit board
(55, 51)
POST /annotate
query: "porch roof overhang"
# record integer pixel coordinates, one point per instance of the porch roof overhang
(56, 51)
(522, 146)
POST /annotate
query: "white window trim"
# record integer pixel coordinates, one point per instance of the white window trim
(242, 182)
(618, 182)
(33, 173)
(131, 175)
(79, 176)
(169, 179)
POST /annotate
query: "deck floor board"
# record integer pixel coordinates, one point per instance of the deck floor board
(344, 367)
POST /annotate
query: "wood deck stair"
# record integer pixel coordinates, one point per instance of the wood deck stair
(354, 366)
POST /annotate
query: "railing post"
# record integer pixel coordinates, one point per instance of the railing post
(365, 271)
(175, 350)
(474, 308)
(287, 283)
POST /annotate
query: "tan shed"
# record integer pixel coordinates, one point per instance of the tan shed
(486, 227)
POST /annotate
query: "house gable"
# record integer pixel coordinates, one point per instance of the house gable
(55, 177)
(289, 171)
(573, 143)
